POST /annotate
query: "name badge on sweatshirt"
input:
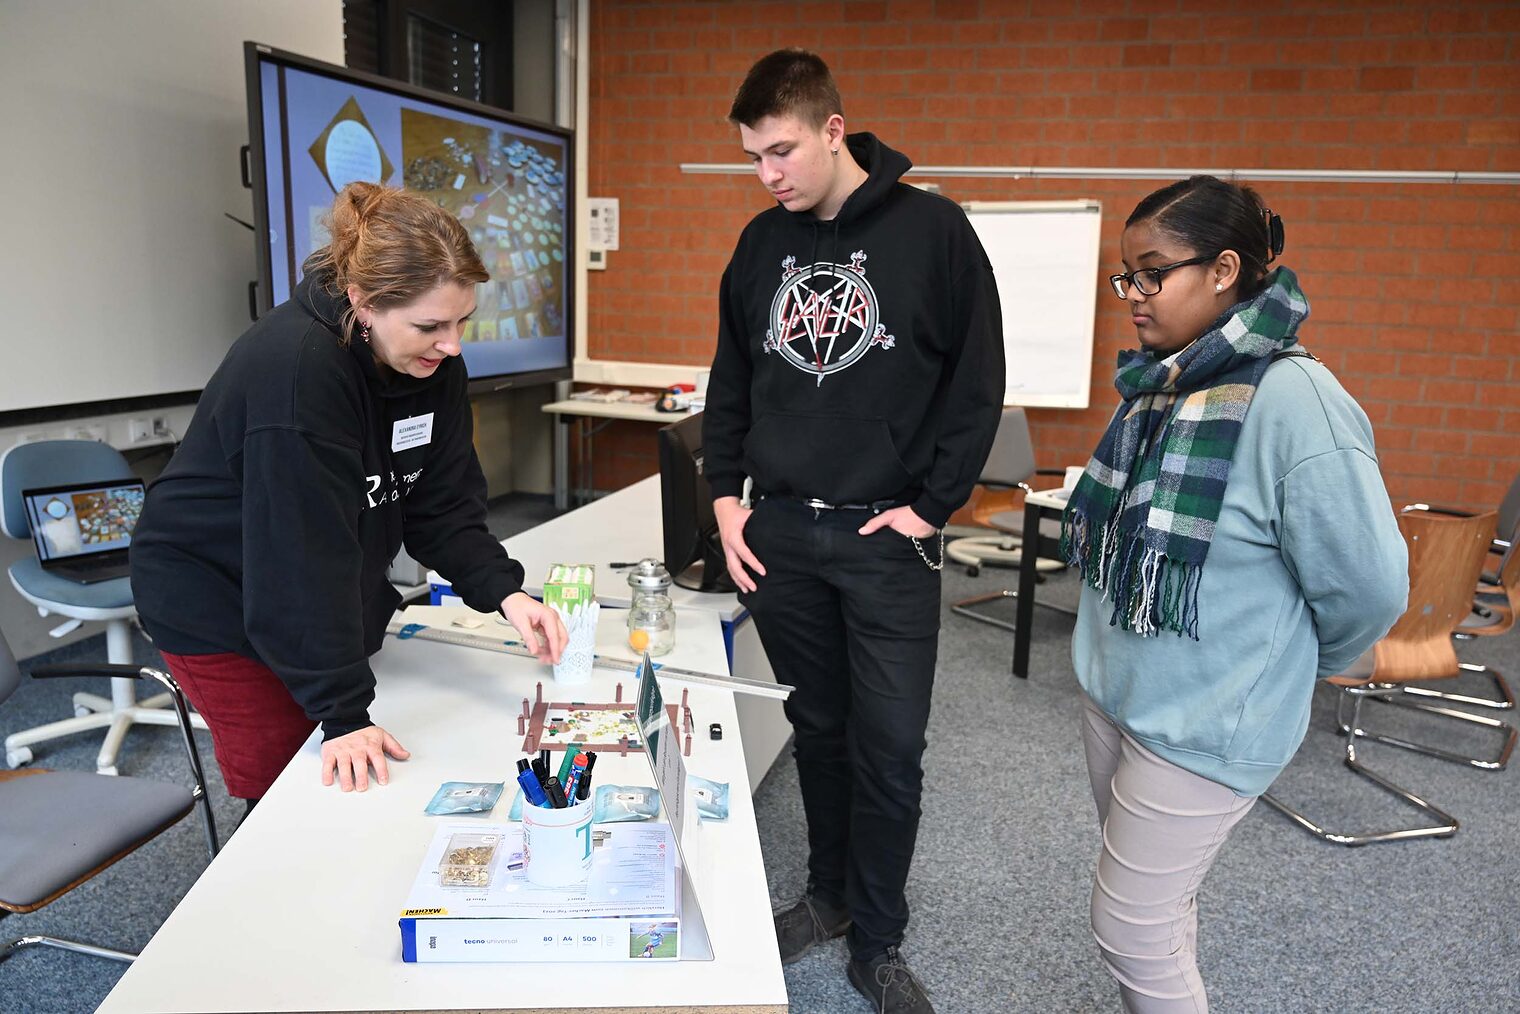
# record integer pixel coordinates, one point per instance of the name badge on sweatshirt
(413, 432)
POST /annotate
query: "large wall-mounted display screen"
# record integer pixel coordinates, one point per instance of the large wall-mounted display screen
(316, 127)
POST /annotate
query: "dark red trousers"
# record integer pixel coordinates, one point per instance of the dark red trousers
(256, 726)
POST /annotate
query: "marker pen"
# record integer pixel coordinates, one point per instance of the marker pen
(577, 772)
(566, 764)
(555, 793)
(583, 784)
(532, 792)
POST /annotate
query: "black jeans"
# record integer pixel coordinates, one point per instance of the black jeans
(853, 623)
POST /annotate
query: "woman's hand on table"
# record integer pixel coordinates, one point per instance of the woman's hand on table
(352, 756)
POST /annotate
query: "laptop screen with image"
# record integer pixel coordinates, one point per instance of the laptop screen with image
(83, 520)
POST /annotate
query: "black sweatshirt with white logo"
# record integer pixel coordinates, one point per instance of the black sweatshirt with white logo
(859, 360)
(305, 469)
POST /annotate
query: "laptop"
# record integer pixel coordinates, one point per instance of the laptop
(82, 530)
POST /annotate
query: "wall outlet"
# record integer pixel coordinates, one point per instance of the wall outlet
(139, 430)
(87, 431)
(161, 427)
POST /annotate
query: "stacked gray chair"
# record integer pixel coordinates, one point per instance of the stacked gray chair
(1493, 608)
(1507, 531)
(60, 828)
(1495, 605)
(1010, 464)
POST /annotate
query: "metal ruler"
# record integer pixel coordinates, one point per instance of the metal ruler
(465, 639)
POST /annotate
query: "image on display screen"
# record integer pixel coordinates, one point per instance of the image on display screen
(74, 522)
(507, 182)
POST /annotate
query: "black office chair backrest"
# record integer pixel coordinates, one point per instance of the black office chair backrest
(1011, 460)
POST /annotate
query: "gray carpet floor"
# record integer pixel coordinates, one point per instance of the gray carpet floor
(1000, 886)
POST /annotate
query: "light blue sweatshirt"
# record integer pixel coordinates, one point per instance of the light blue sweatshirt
(1306, 570)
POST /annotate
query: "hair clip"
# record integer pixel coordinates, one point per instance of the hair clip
(1274, 226)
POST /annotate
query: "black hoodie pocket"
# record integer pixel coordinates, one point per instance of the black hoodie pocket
(838, 460)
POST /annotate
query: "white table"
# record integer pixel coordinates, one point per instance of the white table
(567, 413)
(299, 912)
(624, 527)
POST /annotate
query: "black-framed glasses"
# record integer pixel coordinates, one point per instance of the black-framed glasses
(1148, 280)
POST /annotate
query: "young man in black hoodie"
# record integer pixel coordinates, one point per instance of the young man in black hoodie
(858, 382)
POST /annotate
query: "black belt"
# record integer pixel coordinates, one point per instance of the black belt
(820, 505)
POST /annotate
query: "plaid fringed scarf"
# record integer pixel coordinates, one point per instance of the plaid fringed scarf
(1139, 522)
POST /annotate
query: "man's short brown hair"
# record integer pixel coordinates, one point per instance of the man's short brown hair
(787, 82)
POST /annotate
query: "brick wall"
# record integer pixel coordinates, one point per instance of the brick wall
(1415, 288)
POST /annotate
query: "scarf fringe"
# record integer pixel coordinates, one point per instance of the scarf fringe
(1150, 591)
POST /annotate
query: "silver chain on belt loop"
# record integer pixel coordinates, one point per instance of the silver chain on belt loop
(925, 556)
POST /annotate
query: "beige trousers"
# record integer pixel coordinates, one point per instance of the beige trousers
(1162, 828)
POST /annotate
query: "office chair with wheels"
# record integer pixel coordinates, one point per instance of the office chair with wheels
(56, 463)
(60, 828)
(1010, 465)
(1446, 552)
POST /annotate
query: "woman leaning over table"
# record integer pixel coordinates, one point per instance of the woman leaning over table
(1235, 542)
(336, 430)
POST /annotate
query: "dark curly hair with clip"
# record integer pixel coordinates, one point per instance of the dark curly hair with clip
(1211, 216)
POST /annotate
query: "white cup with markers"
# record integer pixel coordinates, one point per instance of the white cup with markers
(557, 844)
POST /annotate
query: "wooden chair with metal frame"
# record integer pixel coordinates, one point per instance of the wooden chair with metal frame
(1494, 607)
(60, 828)
(1010, 465)
(1494, 601)
(1446, 552)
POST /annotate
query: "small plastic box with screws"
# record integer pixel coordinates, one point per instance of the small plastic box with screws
(469, 859)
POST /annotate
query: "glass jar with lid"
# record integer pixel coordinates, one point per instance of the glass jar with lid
(652, 617)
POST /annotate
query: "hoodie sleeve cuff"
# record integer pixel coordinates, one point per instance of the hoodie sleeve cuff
(726, 487)
(332, 728)
(497, 590)
(932, 511)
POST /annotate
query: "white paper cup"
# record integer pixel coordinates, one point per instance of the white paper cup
(557, 844)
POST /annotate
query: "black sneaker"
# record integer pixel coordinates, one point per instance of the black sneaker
(806, 924)
(890, 985)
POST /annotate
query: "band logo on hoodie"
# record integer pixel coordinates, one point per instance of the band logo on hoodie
(825, 317)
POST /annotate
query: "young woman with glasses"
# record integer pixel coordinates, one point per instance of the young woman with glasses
(1235, 542)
